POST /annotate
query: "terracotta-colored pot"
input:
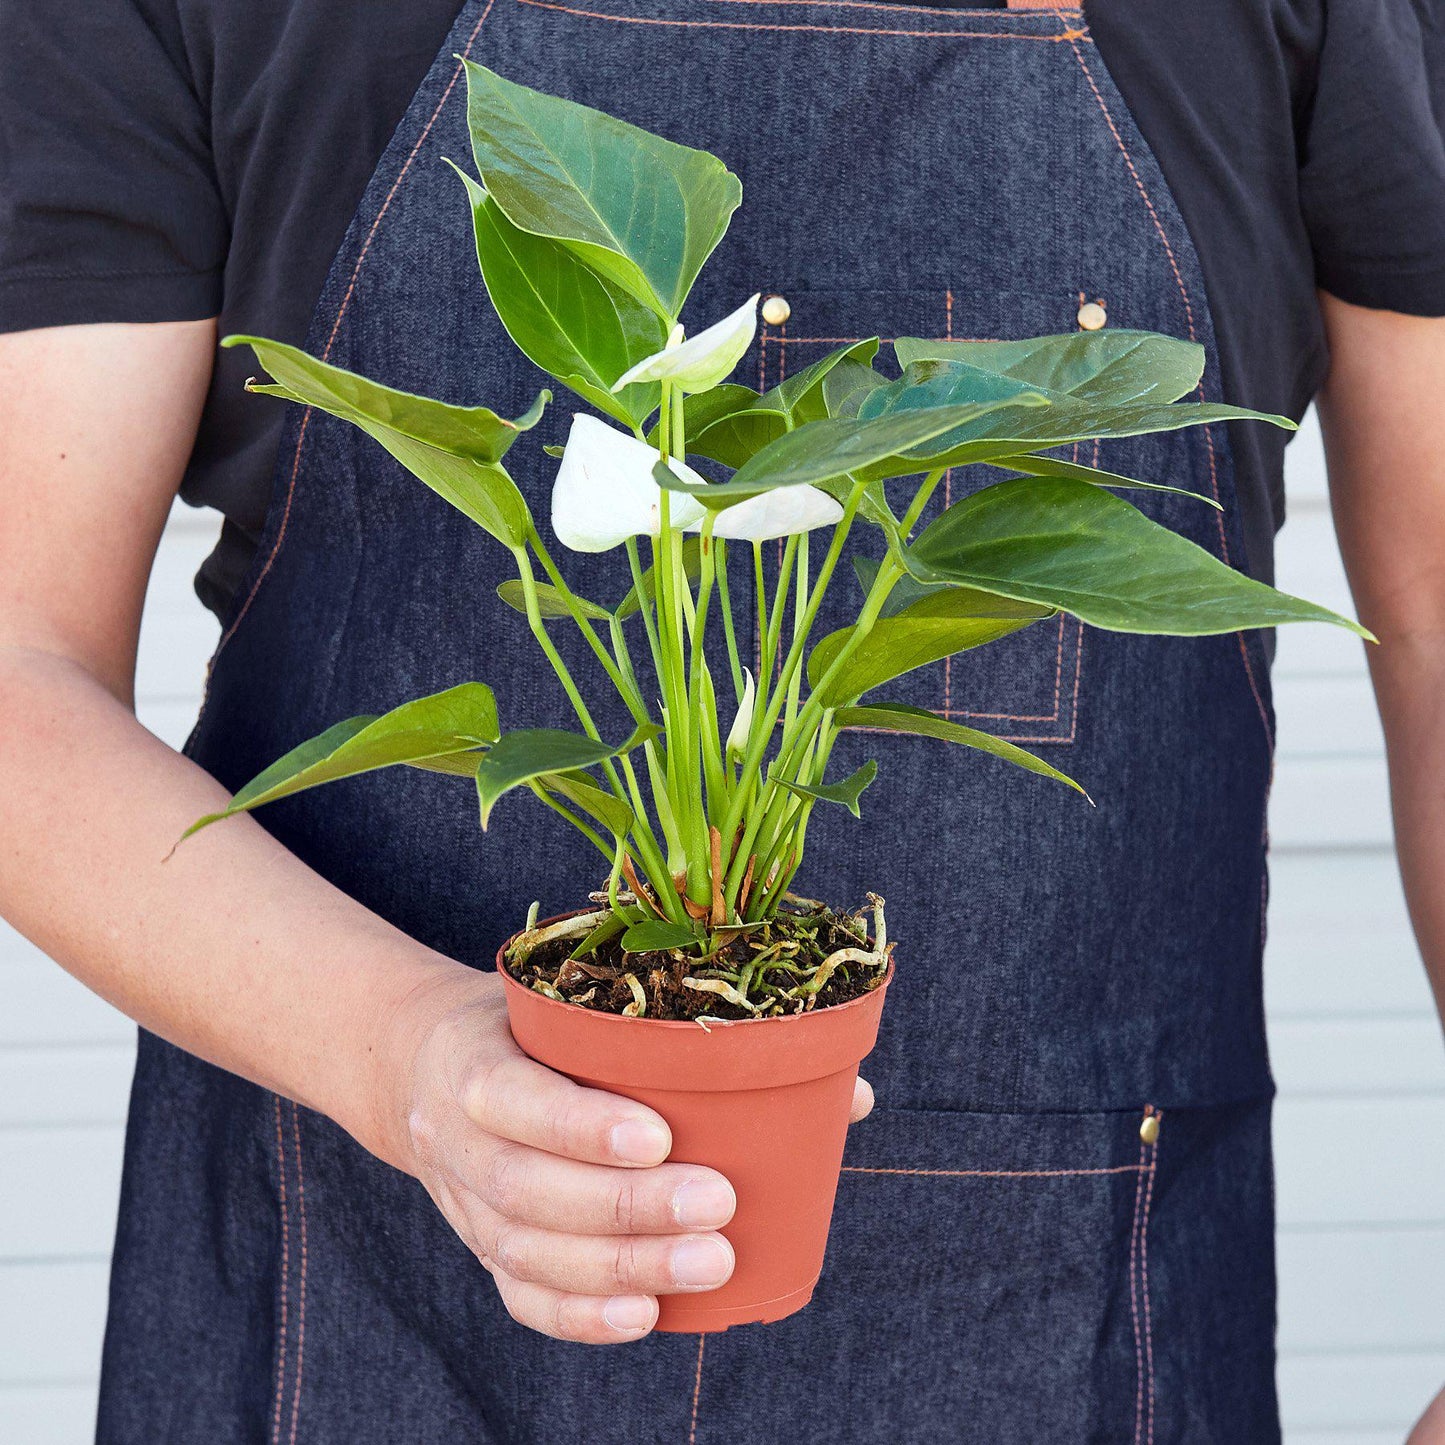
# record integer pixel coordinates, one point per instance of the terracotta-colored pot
(763, 1101)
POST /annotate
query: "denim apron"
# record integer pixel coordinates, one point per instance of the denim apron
(1057, 1226)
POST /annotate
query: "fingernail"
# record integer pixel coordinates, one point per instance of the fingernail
(629, 1314)
(703, 1203)
(701, 1263)
(640, 1141)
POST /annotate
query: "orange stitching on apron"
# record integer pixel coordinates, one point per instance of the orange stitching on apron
(1144, 1261)
(285, 1277)
(1139, 1169)
(696, 1390)
(1134, 1298)
(301, 1302)
(1189, 317)
(340, 314)
(805, 29)
(873, 5)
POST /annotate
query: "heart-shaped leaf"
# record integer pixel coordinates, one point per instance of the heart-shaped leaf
(550, 602)
(642, 211)
(1099, 366)
(422, 732)
(1063, 544)
(934, 626)
(576, 325)
(607, 808)
(656, 935)
(898, 718)
(520, 757)
(444, 446)
(845, 793)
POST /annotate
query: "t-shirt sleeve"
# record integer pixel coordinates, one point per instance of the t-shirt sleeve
(1372, 179)
(109, 209)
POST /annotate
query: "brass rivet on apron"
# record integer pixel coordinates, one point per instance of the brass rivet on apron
(1092, 316)
(776, 310)
(1149, 1129)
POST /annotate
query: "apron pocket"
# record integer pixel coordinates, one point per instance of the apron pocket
(987, 1279)
(1026, 687)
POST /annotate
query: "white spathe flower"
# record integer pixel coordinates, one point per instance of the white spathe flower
(737, 743)
(778, 513)
(604, 492)
(700, 363)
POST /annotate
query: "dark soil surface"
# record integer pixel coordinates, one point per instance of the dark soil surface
(790, 947)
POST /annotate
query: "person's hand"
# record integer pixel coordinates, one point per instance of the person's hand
(560, 1191)
(1430, 1427)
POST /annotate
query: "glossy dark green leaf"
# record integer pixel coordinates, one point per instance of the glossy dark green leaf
(821, 451)
(1103, 366)
(424, 731)
(802, 396)
(934, 626)
(642, 211)
(656, 935)
(899, 718)
(607, 808)
(692, 568)
(531, 753)
(1044, 466)
(848, 385)
(576, 325)
(1007, 430)
(846, 793)
(1063, 544)
(550, 602)
(446, 447)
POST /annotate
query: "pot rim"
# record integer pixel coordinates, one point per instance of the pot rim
(690, 1025)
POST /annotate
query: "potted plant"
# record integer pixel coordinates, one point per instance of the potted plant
(697, 980)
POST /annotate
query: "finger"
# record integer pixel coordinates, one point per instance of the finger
(862, 1101)
(550, 1192)
(583, 1319)
(601, 1264)
(517, 1099)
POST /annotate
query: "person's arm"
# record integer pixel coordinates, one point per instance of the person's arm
(1380, 410)
(235, 950)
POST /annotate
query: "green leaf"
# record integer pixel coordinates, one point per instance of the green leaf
(846, 793)
(899, 718)
(934, 626)
(576, 325)
(607, 808)
(530, 753)
(610, 927)
(642, 211)
(657, 935)
(1009, 429)
(823, 450)
(550, 601)
(1062, 544)
(739, 436)
(1044, 466)
(848, 385)
(425, 436)
(421, 732)
(1099, 366)
(801, 396)
(905, 592)
(692, 569)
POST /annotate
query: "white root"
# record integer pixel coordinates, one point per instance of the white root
(722, 989)
(638, 1006)
(531, 938)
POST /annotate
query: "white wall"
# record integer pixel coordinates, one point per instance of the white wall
(1361, 1119)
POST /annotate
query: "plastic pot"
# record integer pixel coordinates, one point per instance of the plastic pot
(763, 1101)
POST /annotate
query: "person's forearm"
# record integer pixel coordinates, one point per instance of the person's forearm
(1409, 675)
(231, 948)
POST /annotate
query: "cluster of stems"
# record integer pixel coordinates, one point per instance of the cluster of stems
(716, 836)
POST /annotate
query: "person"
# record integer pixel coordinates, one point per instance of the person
(1060, 1225)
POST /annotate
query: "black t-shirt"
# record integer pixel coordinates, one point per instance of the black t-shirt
(176, 159)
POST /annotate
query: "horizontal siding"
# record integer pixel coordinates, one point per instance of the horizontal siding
(1360, 1124)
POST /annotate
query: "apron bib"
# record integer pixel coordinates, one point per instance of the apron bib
(1010, 1261)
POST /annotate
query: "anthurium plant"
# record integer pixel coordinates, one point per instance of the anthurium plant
(590, 234)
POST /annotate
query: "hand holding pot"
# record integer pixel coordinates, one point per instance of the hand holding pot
(560, 1191)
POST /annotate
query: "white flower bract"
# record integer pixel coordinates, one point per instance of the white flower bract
(779, 513)
(604, 492)
(698, 364)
